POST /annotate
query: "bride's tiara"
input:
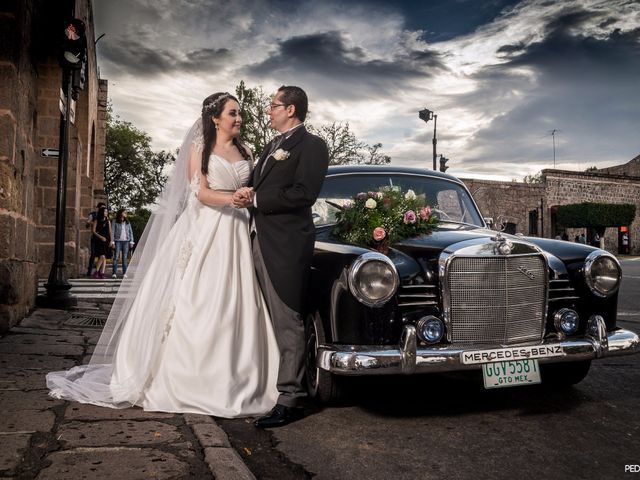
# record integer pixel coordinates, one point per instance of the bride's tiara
(211, 105)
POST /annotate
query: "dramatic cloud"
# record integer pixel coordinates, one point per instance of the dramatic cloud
(340, 71)
(135, 58)
(500, 75)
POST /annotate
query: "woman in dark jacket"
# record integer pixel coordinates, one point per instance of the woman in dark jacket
(101, 229)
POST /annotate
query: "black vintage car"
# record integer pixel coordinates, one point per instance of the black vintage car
(463, 297)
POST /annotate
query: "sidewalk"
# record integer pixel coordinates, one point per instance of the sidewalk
(45, 438)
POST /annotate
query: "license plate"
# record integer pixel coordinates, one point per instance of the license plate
(511, 373)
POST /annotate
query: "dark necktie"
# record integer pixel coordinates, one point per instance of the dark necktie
(274, 146)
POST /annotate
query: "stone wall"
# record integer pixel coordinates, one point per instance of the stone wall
(509, 202)
(566, 187)
(512, 202)
(29, 122)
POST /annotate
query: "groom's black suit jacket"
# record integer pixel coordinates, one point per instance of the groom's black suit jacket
(285, 191)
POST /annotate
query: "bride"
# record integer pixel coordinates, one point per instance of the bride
(189, 331)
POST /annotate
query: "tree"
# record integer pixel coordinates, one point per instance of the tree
(255, 130)
(537, 178)
(134, 174)
(344, 146)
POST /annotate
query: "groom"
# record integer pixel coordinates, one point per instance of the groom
(286, 182)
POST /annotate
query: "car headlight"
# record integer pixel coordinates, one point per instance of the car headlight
(602, 273)
(373, 279)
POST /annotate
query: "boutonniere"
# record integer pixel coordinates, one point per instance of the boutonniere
(280, 155)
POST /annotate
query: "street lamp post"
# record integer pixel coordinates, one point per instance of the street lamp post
(73, 53)
(427, 115)
(57, 285)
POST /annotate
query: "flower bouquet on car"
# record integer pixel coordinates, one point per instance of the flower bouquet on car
(380, 219)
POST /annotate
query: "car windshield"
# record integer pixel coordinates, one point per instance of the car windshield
(449, 200)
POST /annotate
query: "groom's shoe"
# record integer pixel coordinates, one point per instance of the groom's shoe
(279, 416)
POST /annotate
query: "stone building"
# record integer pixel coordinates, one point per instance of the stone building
(529, 208)
(30, 91)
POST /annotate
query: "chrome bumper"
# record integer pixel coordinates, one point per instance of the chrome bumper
(408, 358)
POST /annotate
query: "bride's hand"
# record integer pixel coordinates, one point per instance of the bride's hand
(242, 198)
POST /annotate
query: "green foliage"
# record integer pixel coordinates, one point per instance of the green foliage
(255, 130)
(134, 174)
(537, 178)
(399, 215)
(593, 168)
(138, 221)
(597, 215)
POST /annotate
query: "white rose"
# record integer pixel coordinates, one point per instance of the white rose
(280, 154)
(370, 203)
(380, 195)
(410, 195)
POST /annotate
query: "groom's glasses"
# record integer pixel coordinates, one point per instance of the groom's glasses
(274, 105)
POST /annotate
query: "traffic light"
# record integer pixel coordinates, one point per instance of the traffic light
(443, 163)
(73, 50)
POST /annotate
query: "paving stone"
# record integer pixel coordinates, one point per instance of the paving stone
(58, 332)
(45, 318)
(19, 379)
(42, 349)
(26, 421)
(16, 400)
(79, 411)
(226, 464)
(194, 418)
(49, 363)
(185, 449)
(34, 339)
(210, 435)
(110, 463)
(112, 433)
(12, 448)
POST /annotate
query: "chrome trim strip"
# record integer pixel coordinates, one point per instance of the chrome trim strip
(382, 360)
(416, 304)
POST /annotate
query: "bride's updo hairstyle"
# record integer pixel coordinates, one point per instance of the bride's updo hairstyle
(212, 106)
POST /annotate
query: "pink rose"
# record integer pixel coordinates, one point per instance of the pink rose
(425, 213)
(379, 234)
(410, 216)
(386, 202)
(361, 196)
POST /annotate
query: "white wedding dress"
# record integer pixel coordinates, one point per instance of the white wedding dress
(211, 348)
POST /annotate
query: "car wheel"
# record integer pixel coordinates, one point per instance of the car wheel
(322, 385)
(568, 373)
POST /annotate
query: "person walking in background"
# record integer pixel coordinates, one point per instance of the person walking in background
(122, 240)
(582, 239)
(101, 229)
(92, 250)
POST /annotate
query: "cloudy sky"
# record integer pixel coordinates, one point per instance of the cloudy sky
(500, 74)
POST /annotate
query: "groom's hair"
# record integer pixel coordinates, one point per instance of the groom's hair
(295, 96)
